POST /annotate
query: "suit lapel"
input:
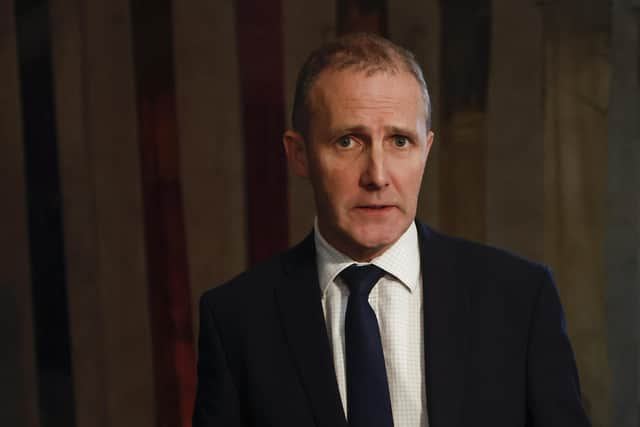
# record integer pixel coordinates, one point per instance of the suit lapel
(446, 307)
(299, 301)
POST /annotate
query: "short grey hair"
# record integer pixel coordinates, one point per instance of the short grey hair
(360, 51)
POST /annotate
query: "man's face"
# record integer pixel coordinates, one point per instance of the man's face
(365, 156)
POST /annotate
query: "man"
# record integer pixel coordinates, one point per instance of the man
(375, 319)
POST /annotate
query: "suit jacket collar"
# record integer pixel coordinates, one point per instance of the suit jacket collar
(445, 309)
(299, 301)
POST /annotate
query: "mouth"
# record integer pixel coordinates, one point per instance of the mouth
(374, 209)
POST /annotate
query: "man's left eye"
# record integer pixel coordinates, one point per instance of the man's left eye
(345, 142)
(400, 141)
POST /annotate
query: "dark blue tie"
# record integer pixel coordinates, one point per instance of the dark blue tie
(368, 401)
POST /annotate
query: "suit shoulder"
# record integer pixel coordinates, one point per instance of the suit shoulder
(260, 279)
(255, 279)
(491, 260)
(495, 277)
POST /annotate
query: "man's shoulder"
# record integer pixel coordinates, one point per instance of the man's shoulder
(251, 283)
(262, 277)
(490, 276)
(474, 257)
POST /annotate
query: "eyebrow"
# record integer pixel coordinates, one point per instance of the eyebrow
(402, 131)
(348, 129)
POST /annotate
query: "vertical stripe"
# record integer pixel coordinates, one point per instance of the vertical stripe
(622, 229)
(18, 389)
(416, 26)
(515, 149)
(211, 148)
(465, 36)
(123, 276)
(260, 48)
(368, 16)
(576, 79)
(80, 214)
(48, 276)
(103, 213)
(306, 26)
(169, 296)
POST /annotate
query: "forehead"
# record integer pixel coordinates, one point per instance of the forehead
(349, 94)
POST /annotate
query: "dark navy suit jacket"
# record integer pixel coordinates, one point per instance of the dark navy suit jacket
(496, 347)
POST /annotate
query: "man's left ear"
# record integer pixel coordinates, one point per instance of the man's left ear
(294, 147)
(430, 137)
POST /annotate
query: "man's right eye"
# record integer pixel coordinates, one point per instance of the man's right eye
(345, 142)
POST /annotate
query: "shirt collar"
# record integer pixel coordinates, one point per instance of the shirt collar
(401, 260)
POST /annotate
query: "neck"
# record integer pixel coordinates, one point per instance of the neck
(352, 249)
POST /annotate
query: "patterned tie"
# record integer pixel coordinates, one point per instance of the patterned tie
(368, 401)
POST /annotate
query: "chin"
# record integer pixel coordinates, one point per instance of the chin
(376, 239)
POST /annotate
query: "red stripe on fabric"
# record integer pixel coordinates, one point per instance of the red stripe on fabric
(169, 293)
(369, 16)
(260, 51)
(167, 268)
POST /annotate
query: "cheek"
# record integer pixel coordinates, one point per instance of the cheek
(409, 177)
(339, 186)
(337, 177)
(331, 184)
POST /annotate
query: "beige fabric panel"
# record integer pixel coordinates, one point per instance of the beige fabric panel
(103, 213)
(211, 143)
(416, 26)
(515, 151)
(461, 174)
(306, 26)
(576, 51)
(622, 247)
(18, 389)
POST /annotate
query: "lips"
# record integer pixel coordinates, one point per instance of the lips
(374, 209)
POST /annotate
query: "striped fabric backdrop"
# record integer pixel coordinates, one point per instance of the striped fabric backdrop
(144, 166)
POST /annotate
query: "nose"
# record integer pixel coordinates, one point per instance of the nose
(374, 176)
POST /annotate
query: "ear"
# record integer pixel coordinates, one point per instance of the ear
(294, 146)
(430, 137)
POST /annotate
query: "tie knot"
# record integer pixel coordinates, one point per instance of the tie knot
(361, 278)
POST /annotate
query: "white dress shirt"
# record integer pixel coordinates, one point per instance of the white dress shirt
(397, 301)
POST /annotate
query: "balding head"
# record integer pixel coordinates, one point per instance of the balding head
(363, 52)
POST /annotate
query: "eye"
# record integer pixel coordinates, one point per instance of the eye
(346, 142)
(400, 141)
